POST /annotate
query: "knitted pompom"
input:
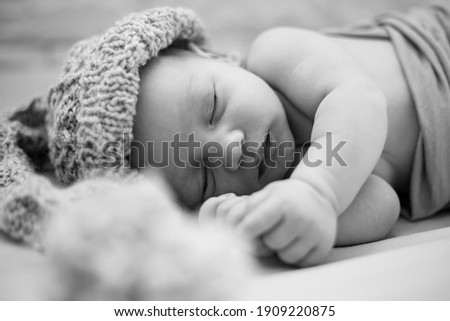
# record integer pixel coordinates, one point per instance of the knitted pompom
(132, 242)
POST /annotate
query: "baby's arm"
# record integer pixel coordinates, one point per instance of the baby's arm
(371, 215)
(298, 216)
(327, 86)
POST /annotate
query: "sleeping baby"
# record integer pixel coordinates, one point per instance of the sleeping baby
(351, 92)
(313, 140)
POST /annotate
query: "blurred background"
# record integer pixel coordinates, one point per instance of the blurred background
(35, 35)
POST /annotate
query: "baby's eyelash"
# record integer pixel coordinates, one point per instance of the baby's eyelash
(205, 181)
(213, 107)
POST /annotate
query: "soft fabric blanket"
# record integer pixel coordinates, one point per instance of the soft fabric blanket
(421, 39)
(412, 264)
(414, 269)
(119, 238)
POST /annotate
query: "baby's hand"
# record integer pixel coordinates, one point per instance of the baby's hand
(224, 208)
(230, 209)
(293, 219)
(288, 217)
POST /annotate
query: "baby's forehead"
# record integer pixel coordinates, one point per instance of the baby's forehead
(191, 52)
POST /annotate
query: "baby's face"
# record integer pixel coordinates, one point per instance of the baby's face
(203, 123)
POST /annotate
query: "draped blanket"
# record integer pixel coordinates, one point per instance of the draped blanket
(421, 39)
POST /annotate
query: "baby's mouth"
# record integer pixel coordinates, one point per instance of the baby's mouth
(264, 152)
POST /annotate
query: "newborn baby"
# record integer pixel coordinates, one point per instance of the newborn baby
(315, 139)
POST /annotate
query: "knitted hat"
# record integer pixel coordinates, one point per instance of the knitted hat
(95, 99)
(93, 103)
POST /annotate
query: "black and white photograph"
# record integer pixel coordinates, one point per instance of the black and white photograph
(292, 156)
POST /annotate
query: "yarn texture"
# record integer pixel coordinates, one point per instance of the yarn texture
(95, 101)
(63, 134)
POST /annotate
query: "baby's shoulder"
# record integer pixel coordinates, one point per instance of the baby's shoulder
(301, 64)
(284, 39)
(277, 51)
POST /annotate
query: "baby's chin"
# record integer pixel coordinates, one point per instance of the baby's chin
(292, 165)
(285, 166)
(275, 174)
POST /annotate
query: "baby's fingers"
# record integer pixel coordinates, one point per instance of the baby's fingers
(296, 252)
(236, 213)
(304, 251)
(284, 234)
(261, 219)
(208, 210)
(261, 250)
(228, 206)
(316, 255)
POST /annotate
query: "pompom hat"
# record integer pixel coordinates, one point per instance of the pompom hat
(95, 100)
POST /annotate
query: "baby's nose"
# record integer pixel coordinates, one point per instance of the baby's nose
(233, 149)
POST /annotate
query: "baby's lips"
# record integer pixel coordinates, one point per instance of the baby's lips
(227, 195)
(267, 151)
